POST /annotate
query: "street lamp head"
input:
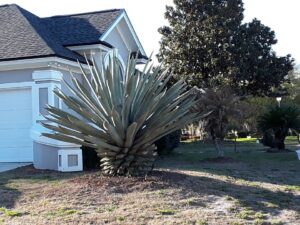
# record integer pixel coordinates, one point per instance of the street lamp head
(278, 99)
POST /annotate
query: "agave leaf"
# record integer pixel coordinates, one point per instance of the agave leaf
(65, 138)
(131, 132)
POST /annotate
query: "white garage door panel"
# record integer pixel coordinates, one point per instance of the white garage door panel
(15, 124)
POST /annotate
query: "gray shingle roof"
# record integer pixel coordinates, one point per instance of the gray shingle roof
(81, 28)
(24, 35)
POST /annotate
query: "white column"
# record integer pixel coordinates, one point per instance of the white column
(45, 82)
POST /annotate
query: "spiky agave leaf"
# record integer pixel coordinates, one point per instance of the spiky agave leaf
(124, 114)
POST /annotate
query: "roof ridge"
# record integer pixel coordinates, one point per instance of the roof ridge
(22, 10)
(8, 5)
(48, 36)
(84, 13)
(44, 37)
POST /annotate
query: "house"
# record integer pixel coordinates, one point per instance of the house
(35, 56)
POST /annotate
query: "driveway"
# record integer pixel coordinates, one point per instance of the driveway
(10, 166)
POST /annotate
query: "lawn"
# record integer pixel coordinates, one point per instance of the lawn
(249, 187)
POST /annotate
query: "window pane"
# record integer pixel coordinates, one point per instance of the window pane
(43, 100)
(56, 101)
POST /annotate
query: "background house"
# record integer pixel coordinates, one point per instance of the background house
(35, 56)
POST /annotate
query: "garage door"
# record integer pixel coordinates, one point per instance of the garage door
(15, 124)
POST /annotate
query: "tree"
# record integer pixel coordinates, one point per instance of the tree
(293, 87)
(122, 117)
(277, 121)
(207, 43)
(259, 70)
(225, 107)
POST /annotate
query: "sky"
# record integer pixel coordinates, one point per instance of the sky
(148, 15)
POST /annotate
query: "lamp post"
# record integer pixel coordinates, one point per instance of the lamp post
(278, 99)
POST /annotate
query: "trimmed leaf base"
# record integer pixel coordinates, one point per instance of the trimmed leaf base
(128, 164)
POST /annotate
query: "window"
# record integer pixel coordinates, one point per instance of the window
(56, 102)
(72, 160)
(42, 92)
(43, 101)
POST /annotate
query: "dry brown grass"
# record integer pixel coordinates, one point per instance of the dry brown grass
(201, 194)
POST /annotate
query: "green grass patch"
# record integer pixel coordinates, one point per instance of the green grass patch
(268, 205)
(247, 140)
(248, 152)
(201, 222)
(111, 208)
(166, 211)
(291, 188)
(259, 215)
(10, 212)
(99, 210)
(246, 214)
(120, 219)
(63, 212)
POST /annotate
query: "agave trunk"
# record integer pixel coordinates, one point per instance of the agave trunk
(124, 113)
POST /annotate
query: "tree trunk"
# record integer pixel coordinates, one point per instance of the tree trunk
(279, 144)
(235, 148)
(219, 148)
(279, 141)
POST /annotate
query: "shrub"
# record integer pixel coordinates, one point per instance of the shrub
(277, 121)
(243, 134)
(90, 158)
(166, 144)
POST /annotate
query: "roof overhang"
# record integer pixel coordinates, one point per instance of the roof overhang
(124, 16)
(50, 62)
(92, 46)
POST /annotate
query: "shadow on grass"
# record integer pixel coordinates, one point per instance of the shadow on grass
(188, 186)
(250, 197)
(11, 182)
(252, 163)
(8, 195)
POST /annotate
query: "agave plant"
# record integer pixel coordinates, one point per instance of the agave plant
(123, 113)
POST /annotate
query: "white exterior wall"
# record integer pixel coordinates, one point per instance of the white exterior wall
(16, 76)
(46, 151)
(115, 39)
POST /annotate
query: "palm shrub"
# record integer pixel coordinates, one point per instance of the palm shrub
(278, 120)
(268, 139)
(123, 114)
